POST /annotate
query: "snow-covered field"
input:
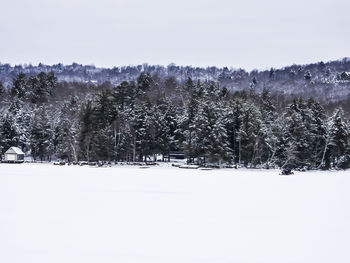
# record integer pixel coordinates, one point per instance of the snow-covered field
(52, 214)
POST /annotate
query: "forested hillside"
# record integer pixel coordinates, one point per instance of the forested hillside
(324, 81)
(138, 119)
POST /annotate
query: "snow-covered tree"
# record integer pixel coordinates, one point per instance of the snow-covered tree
(41, 135)
(86, 132)
(19, 87)
(339, 137)
(67, 131)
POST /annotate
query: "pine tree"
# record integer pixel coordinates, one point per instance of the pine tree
(266, 141)
(104, 115)
(300, 136)
(209, 136)
(8, 133)
(157, 130)
(339, 137)
(168, 139)
(124, 95)
(145, 84)
(233, 123)
(41, 87)
(67, 131)
(187, 122)
(218, 150)
(87, 132)
(19, 87)
(41, 135)
(318, 129)
(141, 137)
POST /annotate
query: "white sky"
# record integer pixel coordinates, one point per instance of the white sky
(247, 33)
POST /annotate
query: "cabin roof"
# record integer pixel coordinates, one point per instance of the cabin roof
(15, 150)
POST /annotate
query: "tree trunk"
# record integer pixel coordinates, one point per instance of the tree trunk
(324, 154)
(134, 149)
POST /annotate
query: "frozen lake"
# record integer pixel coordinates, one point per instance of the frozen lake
(52, 214)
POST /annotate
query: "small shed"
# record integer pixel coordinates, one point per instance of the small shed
(14, 155)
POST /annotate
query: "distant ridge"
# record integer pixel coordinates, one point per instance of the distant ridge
(322, 80)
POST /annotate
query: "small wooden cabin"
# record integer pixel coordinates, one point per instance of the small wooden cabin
(14, 155)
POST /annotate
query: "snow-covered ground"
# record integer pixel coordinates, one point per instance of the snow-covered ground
(52, 214)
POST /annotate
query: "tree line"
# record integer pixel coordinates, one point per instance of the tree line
(141, 119)
(325, 82)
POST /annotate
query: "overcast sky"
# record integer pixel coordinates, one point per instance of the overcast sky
(247, 34)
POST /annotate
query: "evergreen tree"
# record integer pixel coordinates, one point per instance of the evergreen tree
(104, 115)
(318, 129)
(218, 147)
(41, 135)
(67, 131)
(187, 125)
(145, 84)
(268, 138)
(41, 87)
(19, 87)
(142, 138)
(87, 131)
(168, 139)
(124, 95)
(339, 137)
(8, 133)
(248, 134)
(233, 123)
